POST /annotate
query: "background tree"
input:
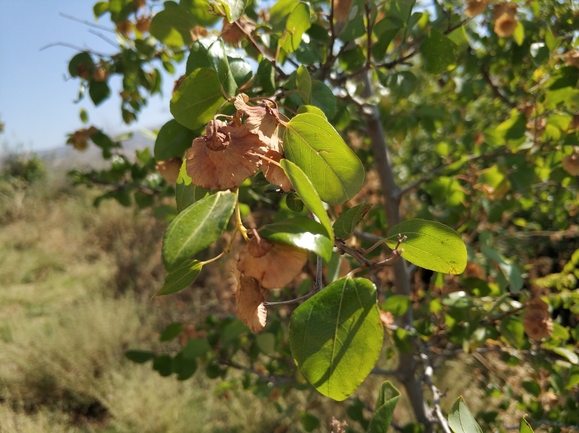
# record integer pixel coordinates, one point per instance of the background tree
(461, 114)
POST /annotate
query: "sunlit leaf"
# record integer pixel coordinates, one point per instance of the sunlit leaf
(304, 84)
(333, 168)
(181, 278)
(430, 245)
(336, 336)
(172, 26)
(308, 194)
(233, 8)
(296, 25)
(301, 232)
(438, 52)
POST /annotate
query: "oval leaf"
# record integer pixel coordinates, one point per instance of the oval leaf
(308, 194)
(332, 167)
(173, 140)
(139, 356)
(197, 99)
(300, 232)
(172, 26)
(460, 419)
(196, 228)
(430, 245)
(233, 8)
(387, 400)
(336, 336)
(346, 223)
(181, 278)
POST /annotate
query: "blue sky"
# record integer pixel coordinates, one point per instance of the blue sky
(36, 95)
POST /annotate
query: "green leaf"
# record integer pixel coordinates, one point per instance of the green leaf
(163, 364)
(181, 278)
(196, 347)
(220, 62)
(173, 140)
(304, 84)
(172, 26)
(296, 25)
(311, 109)
(100, 8)
(186, 192)
(387, 400)
(99, 91)
(430, 245)
(519, 34)
(401, 84)
(81, 65)
(336, 336)
(234, 8)
(323, 98)
(333, 168)
(171, 331)
(347, 222)
(139, 356)
(196, 228)
(294, 202)
(396, 304)
(266, 343)
(309, 422)
(300, 232)
(198, 58)
(197, 99)
(460, 419)
(525, 427)
(266, 76)
(438, 52)
(201, 11)
(184, 367)
(567, 354)
(308, 194)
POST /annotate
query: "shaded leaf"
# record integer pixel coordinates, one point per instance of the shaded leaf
(172, 140)
(324, 99)
(438, 52)
(304, 84)
(172, 26)
(197, 99)
(139, 356)
(171, 331)
(196, 228)
(196, 347)
(181, 278)
(336, 336)
(387, 400)
(347, 222)
(460, 419)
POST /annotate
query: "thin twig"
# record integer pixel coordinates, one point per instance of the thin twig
(436, 394)
(269, 379)
(496, 89)
(87, 23)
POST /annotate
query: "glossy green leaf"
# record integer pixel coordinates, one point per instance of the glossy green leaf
(220, 62)
(430, 245)
(324, 99)
(139, 356)
(333, 168)
(171, 331)
(173, 140)
(198, 57)
(294, 202)
(308, 194)
(304, 84)
(233, 8)
(347, 222)
(296, 25)
(186, 192)
(181, 278)
(336, 336)
(300, 232)
(196, 228)
(387, 400)
(438, 52)
(525, 427)
(197, 99)
(172, 26)
(460, 419)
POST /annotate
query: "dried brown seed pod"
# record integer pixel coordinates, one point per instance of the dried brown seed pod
(537, 321)
(505, 19)
(169, 169)
(274, 173)
(475, 7)
(571, 58)
(272, 264)
(250, 308)
(233, 33)
(571, 164)
(262, 120)
(79, 139)
(143, 24)
(225, 156)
